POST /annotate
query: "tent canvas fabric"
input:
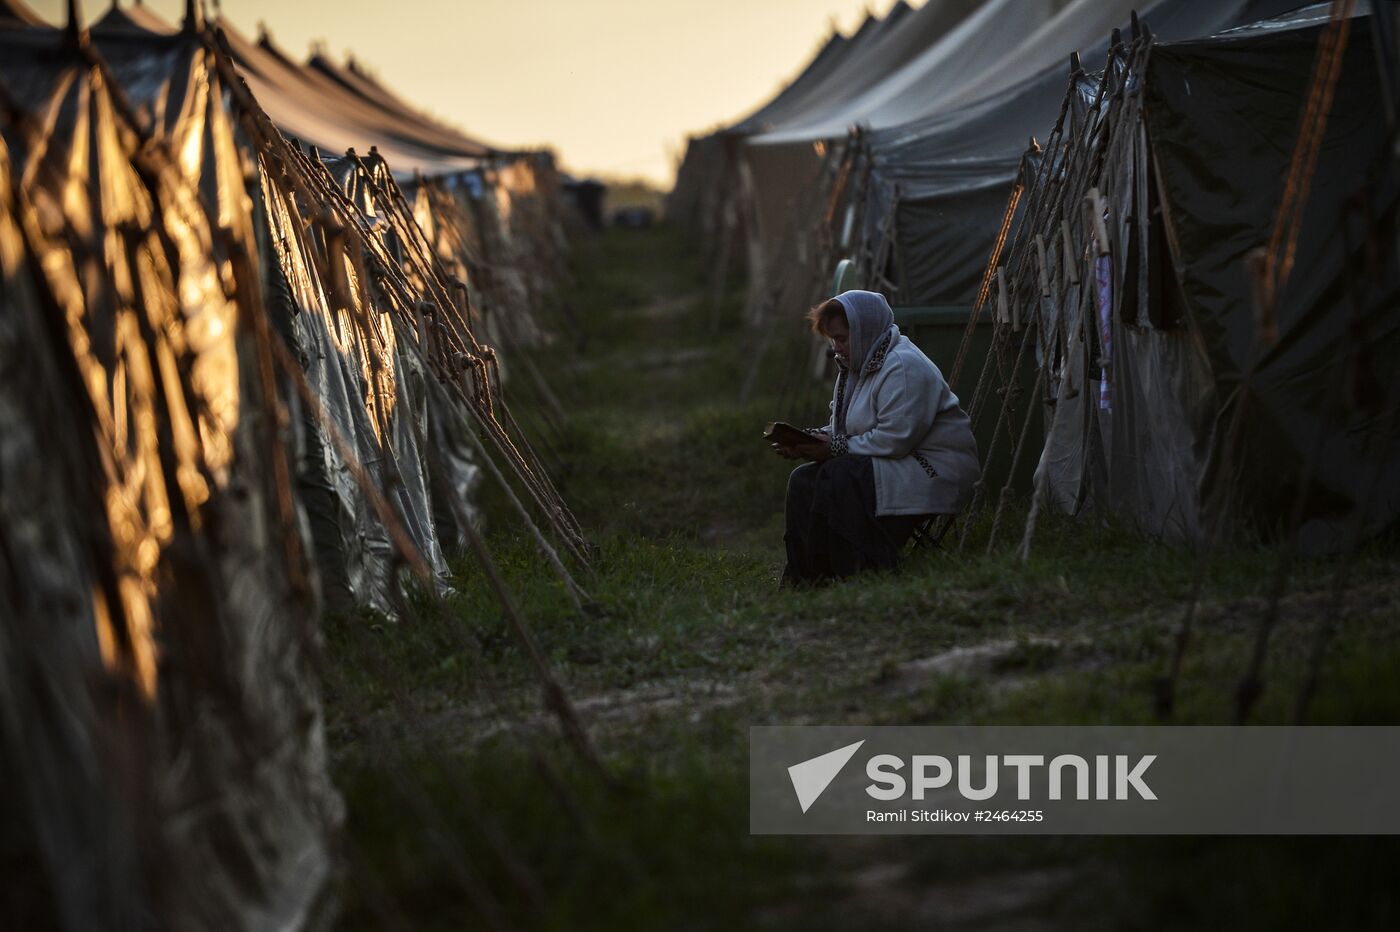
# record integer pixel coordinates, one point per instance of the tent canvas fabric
(1173, 408)
(1318, 396)
(965, 53)
(134, 18)
(943, 48)
(782, 164)
(314, 105)
(319, 112)
(945, 129)
(239, 382)
(363, 86)
(946, 176)
(161, 598)
(707, 181)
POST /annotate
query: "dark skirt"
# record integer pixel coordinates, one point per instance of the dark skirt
(832, 529)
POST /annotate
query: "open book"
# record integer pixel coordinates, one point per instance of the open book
(786, 434)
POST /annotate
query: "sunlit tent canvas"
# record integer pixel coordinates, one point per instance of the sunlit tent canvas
(241, 385)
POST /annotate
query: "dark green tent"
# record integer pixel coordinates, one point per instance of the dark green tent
(1173, 401)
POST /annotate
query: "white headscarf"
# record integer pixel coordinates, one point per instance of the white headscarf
(871, 321)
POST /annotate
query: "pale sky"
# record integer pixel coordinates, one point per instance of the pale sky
(614, 86)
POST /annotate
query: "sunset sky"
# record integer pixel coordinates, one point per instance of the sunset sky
(613, 85)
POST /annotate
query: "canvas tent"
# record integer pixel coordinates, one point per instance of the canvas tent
(238, 384)
(918, 205)
(509, 197)
(136, 438)
(311, 105)
(941, 137)
(961, 47)
(708, 183)
(944, 103)
(945, 178)
(1178, 399)
(751, 205)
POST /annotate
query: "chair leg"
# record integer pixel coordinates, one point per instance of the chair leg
(947, 526)
(925, 535)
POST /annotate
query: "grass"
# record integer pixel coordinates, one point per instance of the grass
(465, 808)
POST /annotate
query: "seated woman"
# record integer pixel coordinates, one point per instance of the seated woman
(897, 450)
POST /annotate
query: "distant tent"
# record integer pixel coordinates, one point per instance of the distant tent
(740, 208)
(942, 135)
(707, 181)
(783, 168)
(877, 47)
(429, 130)
(945, 50)
(946, 177)
(944, 100)
(706, 178)
(136, 17)
(317, 111)
(309, 104)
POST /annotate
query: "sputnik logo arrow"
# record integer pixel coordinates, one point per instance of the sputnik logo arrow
(811, 777)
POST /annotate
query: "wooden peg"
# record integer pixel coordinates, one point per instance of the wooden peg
(1071, 259)
(1003, 314)
(1096, 210)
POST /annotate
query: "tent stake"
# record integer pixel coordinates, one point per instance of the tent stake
(1096, 210)
(1003, 316)
(1071, 262)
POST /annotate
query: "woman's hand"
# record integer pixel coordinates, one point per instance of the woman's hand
(817, 449)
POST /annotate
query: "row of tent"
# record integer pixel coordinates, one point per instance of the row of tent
(324, 104)
(240, 381)
(513, 196)
(942, 153)
(945, 97)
